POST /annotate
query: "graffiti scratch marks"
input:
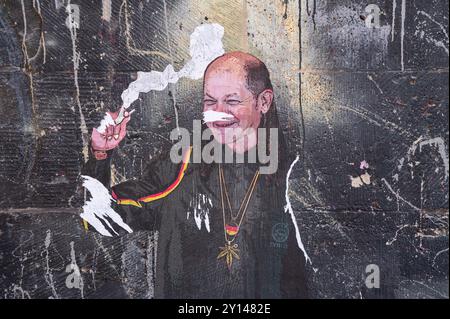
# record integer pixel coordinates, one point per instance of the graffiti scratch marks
(376, 119)
(37, 8)
(98, 209)
(437, 142)
(129, 39)
(438, 254)
(311, 11)
(288, 209)
(73, 23)
(48, 275)
(27, 64)
(397, 195)
(376, 84)
(430, 39)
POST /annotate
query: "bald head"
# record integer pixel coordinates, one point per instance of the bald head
(237, 83)
(252, 69)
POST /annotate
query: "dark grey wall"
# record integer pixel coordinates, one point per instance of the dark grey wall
(378, 95)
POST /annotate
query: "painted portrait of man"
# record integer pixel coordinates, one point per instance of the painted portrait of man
(238, 149)
(236, 241)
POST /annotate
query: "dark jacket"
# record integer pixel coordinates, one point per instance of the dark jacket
(188, 217)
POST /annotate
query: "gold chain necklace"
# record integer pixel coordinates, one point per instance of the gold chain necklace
(231, 230)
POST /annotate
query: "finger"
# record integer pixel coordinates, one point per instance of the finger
(109, 132)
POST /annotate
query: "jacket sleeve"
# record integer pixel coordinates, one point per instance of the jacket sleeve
(134, 204)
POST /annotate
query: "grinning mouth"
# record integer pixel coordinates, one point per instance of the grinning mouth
(225, 124)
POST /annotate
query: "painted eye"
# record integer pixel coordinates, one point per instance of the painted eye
(209, 102)
(233, 102)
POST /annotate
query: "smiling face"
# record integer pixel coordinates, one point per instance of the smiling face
(225, 90)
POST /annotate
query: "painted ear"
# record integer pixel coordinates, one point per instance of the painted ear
(265, 100)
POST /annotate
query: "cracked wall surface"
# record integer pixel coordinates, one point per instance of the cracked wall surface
(366, 110)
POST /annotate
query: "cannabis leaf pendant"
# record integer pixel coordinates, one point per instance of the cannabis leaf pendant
(229, 251)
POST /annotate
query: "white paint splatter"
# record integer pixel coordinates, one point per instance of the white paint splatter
(98, 208)
(205, 46)
(361, 180)
(288, 208)
(200, 206)
(212, 116)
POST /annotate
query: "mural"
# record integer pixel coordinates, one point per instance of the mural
(224, 149)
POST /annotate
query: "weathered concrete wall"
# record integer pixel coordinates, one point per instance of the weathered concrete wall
(370, 125)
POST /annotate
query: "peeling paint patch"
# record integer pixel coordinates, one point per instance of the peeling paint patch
(361, 180)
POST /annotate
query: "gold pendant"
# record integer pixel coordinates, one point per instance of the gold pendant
(229, 251)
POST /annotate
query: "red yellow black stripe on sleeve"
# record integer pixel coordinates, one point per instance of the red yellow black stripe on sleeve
(162, 194)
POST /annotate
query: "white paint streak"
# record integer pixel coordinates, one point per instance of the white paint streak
(394, 8)
(205, 46)
(48, 275)
(397, 195)
(174, 94)
(106, 10)
(212, 116)
(376, 84)
(437, 142)
(439, 253)
(402, 36)
(72, 23)
(390, 242)
(376, 119)
(288, 208)
(98, 208)
(439, 24)
(200, 206)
